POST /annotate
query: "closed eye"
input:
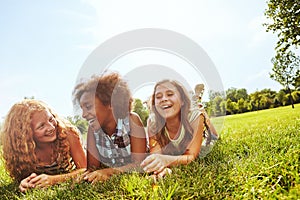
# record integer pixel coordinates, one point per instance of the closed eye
(41, 126)
(158, 96)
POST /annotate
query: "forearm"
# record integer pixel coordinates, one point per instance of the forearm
(64, 177)
(128, 168)
(179, 160)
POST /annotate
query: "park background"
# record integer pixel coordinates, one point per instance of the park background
(44, 45)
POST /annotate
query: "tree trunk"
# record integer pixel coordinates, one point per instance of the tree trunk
(290, 96)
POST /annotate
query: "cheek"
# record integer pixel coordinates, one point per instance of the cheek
(98, 114)
(36, 135)
(156, 102)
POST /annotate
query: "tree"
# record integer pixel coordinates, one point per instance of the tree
(296, 84)
(216, 106)
(286, 70)
(80, 123)
(231, 94)
(281, 98)
(141, 110)
(255, 99)
(284, 18)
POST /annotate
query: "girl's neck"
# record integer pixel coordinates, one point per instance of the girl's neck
(45, 153)
(44, 146)
(173, 126)
(110, 126)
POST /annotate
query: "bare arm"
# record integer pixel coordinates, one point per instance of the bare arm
(137, 138)
(157, 162)
(44, 180)
(138, 153)
(77, 151)
(93, 158)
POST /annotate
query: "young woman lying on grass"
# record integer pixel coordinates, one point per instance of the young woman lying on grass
(39, 147)
(116, 140)
(175, 131)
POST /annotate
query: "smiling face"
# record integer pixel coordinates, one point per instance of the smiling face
(44, 127)
(167, 100)
(87, 104)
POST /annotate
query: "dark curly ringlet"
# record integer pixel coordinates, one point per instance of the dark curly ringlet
(84, 86)
(158, 127)
(114, 91)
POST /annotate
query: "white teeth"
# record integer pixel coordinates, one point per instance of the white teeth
(166, 106)
(50, 133)
(91, 121)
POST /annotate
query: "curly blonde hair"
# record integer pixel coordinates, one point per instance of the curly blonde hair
(17, 139)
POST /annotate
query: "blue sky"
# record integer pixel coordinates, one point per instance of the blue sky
(45, 43)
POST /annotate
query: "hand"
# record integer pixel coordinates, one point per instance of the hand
(42, 180)
(26, 184)
(80, 177)
(164, 172)
(98, 175)
(156, 163)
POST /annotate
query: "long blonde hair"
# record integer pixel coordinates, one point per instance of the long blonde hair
(17, 139)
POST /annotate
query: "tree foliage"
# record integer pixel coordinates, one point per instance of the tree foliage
(80, 123)
(286, 70)
(284, 18)
(141, 110)
(239, 101)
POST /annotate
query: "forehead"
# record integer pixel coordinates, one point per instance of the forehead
(40, 115)
(87, 97)
(165, 87)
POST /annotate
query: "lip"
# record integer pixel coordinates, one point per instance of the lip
(166, 106)
(91, 121)
(50, 134)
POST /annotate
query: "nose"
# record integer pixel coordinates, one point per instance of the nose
(164, 98)
(51, 126)
(84, 114)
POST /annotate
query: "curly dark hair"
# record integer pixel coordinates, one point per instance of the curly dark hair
(111, 90)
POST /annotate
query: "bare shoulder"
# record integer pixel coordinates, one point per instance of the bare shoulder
(134, 117)
(72, 135)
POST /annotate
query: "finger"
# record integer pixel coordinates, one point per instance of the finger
(87, 174)
(35, 179)
(150, 161)
(91, 176)
(24, 186)
(43, 182)
(147, 160)
(159, 169)
(153, 166)
(95, 178)
(33, 175)
(22, 189)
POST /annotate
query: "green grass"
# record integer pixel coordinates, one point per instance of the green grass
(258, 157)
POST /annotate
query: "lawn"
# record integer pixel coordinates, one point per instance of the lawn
(257, 157)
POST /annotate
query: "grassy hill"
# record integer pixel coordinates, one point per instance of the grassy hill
(257, 157)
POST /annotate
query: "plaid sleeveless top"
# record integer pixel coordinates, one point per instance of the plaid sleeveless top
(115, 150)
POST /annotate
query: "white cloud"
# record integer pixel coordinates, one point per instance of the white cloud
(261, 74)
